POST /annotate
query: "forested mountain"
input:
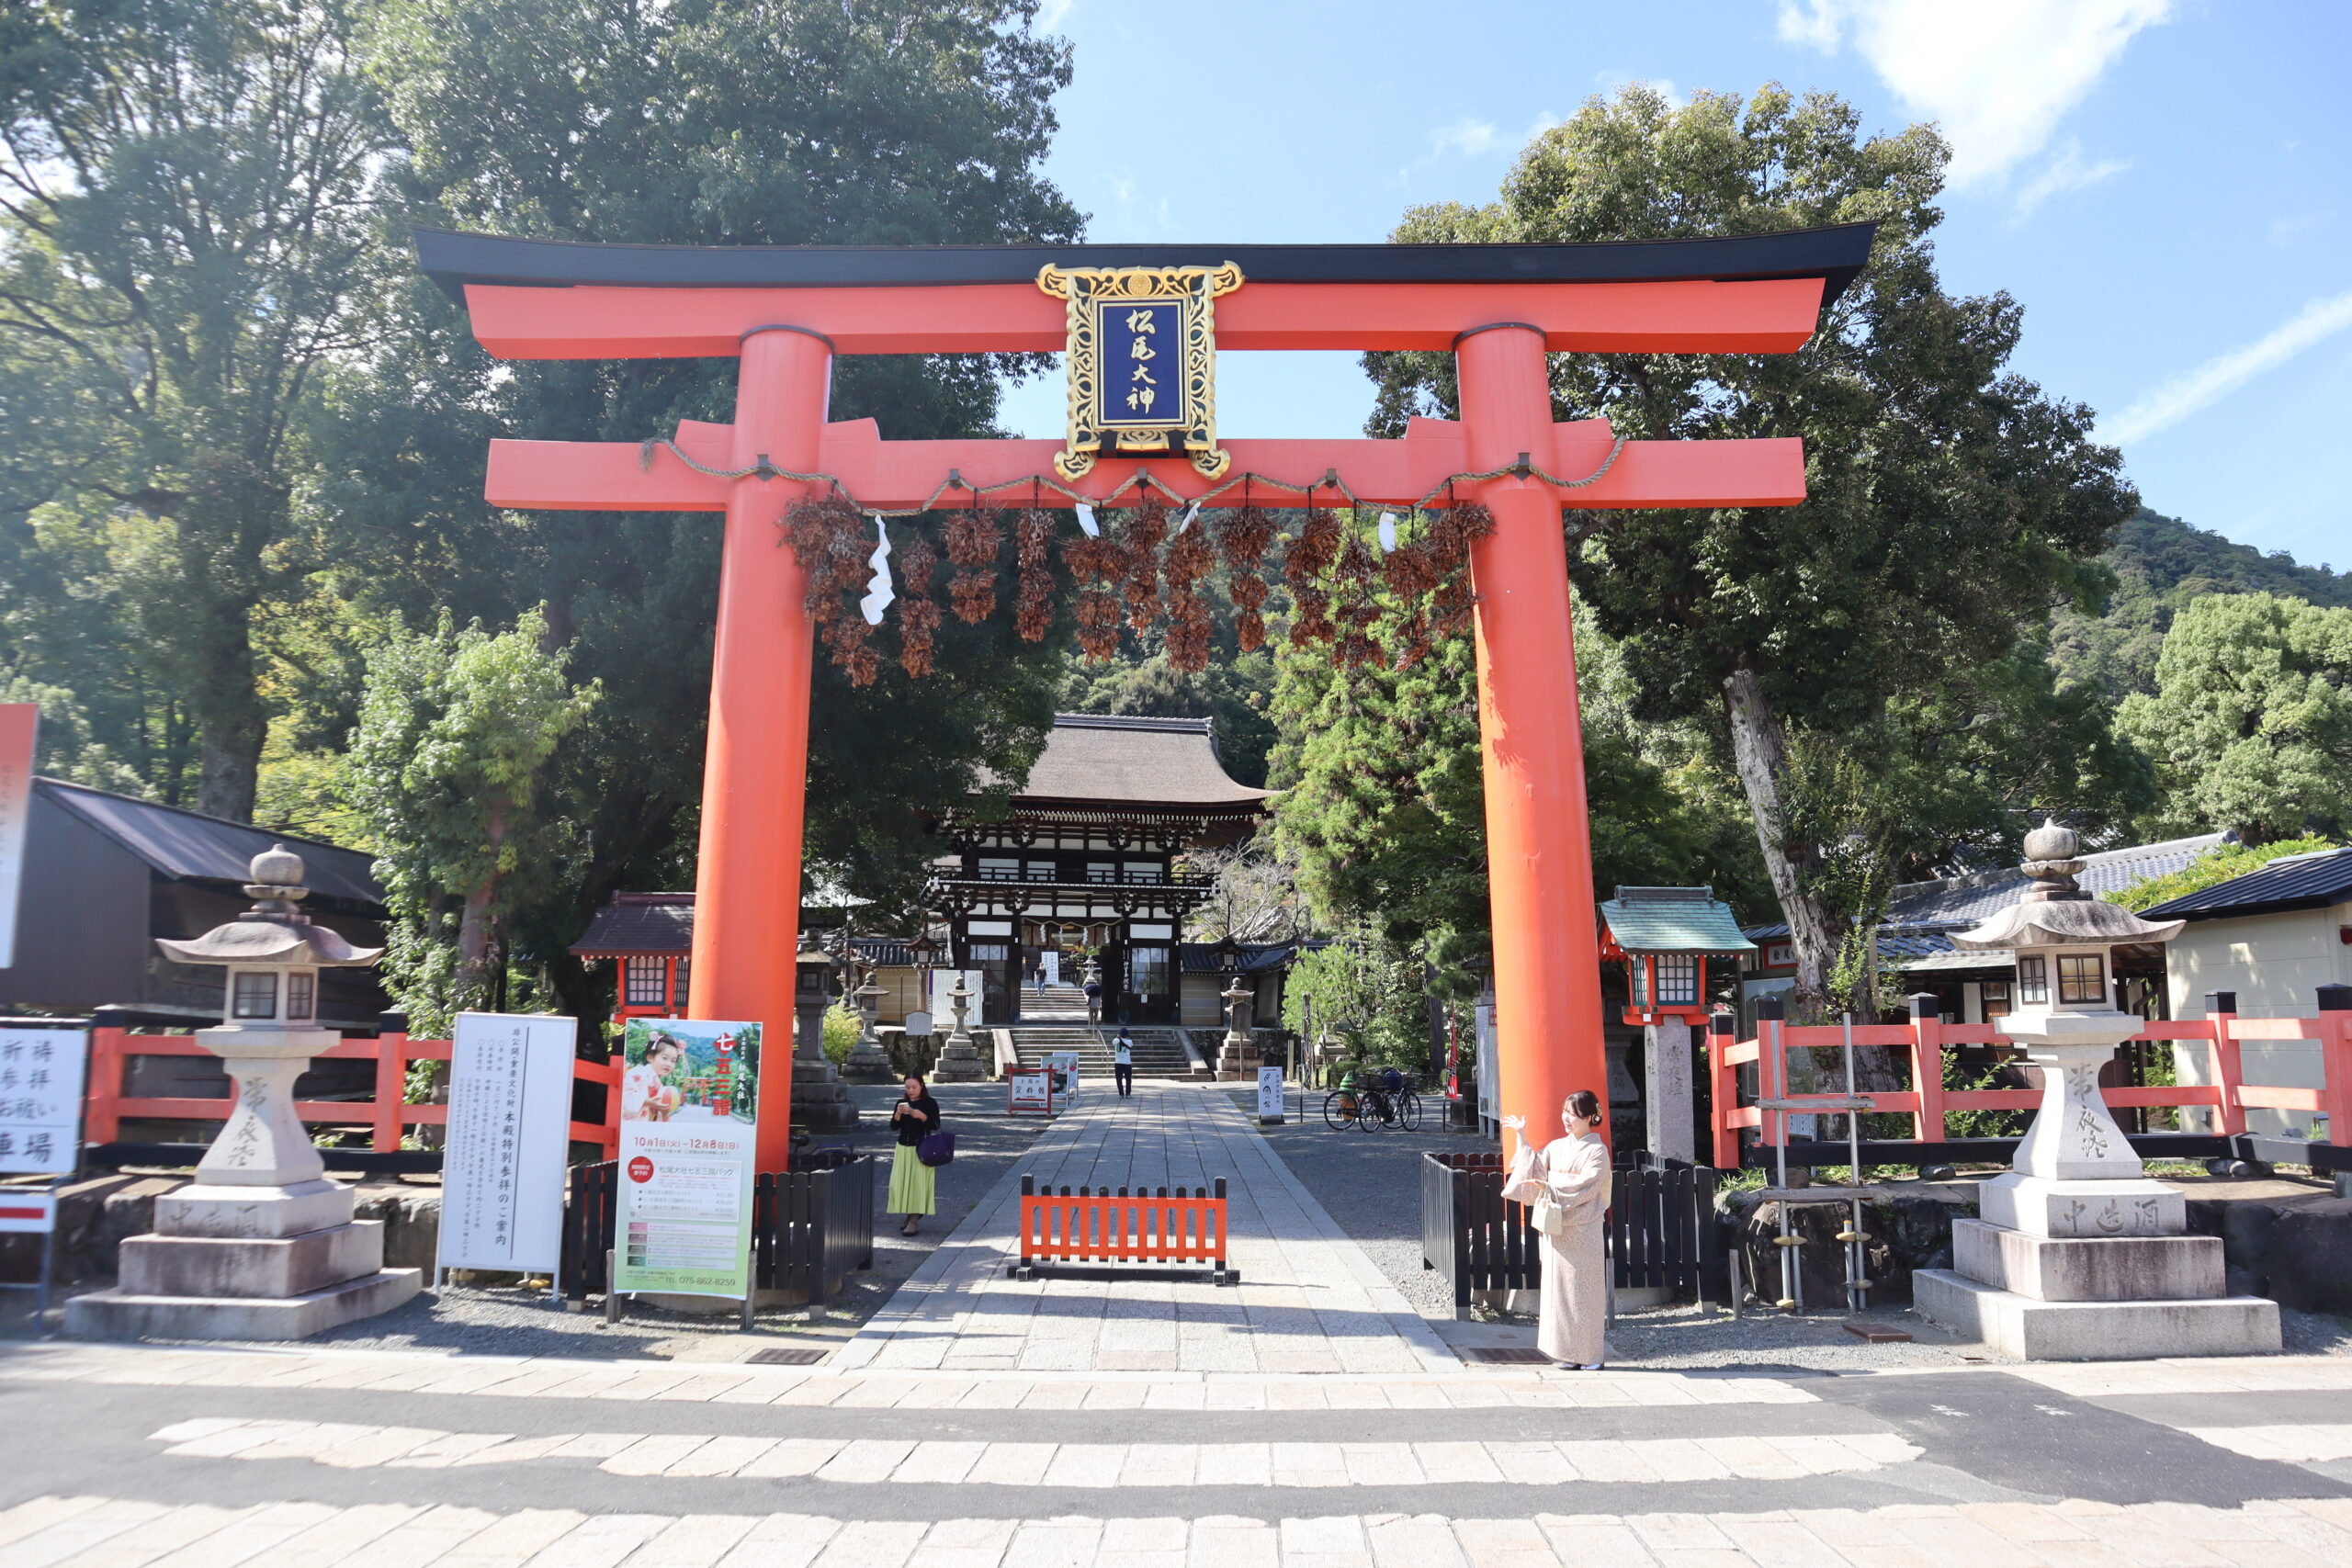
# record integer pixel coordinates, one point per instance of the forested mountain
(2162, 565)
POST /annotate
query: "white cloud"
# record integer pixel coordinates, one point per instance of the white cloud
(1610, 81)
(2069, 170)
(2218, 377)
(1050, 14)
(1470, 137)
(1467, 136)
(1996, 75)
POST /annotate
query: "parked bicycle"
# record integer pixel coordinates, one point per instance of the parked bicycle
(1372, 1107)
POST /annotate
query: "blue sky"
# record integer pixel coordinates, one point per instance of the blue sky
(2165, 185)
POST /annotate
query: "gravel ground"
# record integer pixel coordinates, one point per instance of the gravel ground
(1370, 1185)
(509, 1321)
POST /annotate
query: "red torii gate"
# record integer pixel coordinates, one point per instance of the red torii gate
(1499, 309)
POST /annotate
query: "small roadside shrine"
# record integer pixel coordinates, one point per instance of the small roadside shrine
(1473, 506)
(1666, 938)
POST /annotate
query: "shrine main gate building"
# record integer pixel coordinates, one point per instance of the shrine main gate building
(1122, 313)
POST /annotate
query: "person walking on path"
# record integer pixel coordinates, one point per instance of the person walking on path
(1122, 1062)
(914, 1186)
(1567, 1182)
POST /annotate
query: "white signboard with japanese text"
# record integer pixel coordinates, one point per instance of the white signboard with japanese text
(1062, 1067)
(1269, 1094)
(19, 727)
(1030, 1092)
(509, 1135)
(41, 1100)
(1490, 1068)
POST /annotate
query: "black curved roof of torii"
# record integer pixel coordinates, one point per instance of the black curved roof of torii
(453, 260)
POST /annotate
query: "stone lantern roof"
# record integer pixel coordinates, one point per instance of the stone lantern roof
(273, 931)
(2054, 911)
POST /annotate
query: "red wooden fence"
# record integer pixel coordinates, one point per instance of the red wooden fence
(1928, 1101)
(105, 1105)
(1086, 1227)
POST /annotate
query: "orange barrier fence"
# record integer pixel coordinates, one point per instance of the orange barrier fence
(1104, 1228)
(107, 1106)
(1925, 1037)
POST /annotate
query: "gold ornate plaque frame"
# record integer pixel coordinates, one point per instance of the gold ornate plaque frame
(1190, 429)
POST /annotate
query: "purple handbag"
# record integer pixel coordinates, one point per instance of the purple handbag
(936, 1149)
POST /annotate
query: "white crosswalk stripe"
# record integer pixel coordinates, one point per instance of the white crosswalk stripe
(1101, 1465)
(85, 1531)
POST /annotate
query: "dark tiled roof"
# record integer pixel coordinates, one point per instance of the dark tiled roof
(886, 952)
(2311, 881)
(640, 922)
(1114, 760)
(1956, 903)
(1256, 958)
(189, 846)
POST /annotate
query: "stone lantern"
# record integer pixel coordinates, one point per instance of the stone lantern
(261, 1245)
(821, 1102)
(2078, 1255)
(868, 1062)
(959, 1059)
(1238, 1058)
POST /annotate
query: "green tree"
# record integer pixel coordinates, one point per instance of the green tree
(455, 733)
(186, 212)
(2217, 864)
(1948, 500)
(721, 122)
(2251, 722)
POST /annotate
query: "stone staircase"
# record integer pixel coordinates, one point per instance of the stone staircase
(1159, 1053)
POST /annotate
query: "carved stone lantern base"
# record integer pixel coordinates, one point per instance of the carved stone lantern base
(261, 1245)
(959, 1062)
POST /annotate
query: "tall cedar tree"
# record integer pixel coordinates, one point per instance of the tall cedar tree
(716, 122)
(1948, 502)
(186, 193)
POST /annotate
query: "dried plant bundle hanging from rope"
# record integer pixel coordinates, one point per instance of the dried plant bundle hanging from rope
(1147, 525)
(973, 539)
(1243, 537)
(1033, 611)
(918, 611)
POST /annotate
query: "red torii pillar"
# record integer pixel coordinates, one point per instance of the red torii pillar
(755, 759)
(1764, 296)
(1531, 744)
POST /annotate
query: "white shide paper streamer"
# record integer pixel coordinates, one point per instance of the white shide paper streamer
(879, 591)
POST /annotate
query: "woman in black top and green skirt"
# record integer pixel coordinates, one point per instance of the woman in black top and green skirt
(914, 1186)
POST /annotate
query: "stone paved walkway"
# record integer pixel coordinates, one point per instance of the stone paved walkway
(160, 1457)
(1310, 1300)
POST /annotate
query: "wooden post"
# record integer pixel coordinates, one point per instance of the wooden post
(102, 1096)
(1539, 849)
(1723, 1088)
(1927, 1066)
(2336, 1060)
(755, 766)
(391, 1080)
(2220, 1012)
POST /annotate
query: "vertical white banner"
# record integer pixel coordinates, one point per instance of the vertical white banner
(509, 1139)
(41, 1100)
(19, 727)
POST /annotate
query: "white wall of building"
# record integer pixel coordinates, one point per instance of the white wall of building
(2275, 963)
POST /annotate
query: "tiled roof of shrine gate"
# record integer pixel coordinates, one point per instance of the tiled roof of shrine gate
(453, 260)
(1115, 762)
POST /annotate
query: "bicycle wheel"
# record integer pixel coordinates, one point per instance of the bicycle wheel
(1408, 1110)
(1375, 1114)
(1334, 1115)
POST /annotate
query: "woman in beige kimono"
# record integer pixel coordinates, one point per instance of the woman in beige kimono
(1573, 1174)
